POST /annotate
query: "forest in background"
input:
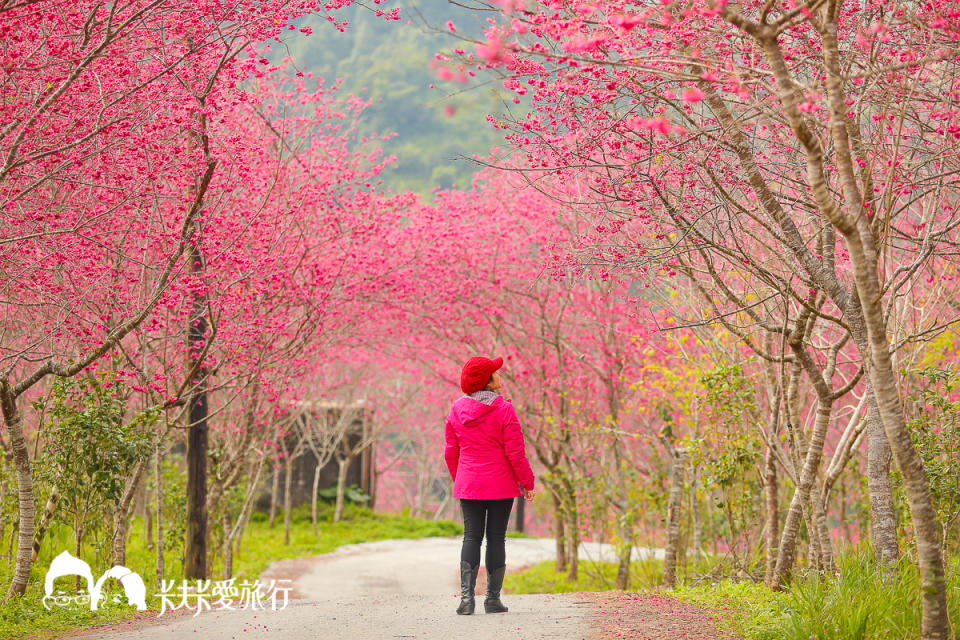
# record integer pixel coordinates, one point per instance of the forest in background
(390, 63)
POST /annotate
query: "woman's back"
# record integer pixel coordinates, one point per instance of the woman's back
(487, 462)
(485, 450)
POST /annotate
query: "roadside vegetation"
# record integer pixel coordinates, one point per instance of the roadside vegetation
(856, 603)
(27, 618)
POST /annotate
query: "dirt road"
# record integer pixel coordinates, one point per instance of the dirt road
(391, 589)
(410, 589)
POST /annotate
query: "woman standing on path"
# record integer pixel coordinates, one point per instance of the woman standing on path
(488, 465)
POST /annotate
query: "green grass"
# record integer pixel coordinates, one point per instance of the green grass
(749, 609)
(645, 575)
(592, 576)
(27, 618)
(855, 604)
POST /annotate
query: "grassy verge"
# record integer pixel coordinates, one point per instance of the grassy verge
(855, 604)
(749, 609)
(592, 576)
(27, 617)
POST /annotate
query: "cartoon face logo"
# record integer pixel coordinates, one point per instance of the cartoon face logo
(68, 565)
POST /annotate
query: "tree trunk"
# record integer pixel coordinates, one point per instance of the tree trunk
(853, 220)
(48, 512)
(227, 545)
(791, 527)
(813, 549)
(343, 467)
(141, 503)
(623, 566)
(274, 489)
(695, 520)
(242, 528)
(287, 497)
(3, 499)
(119, 543)
(771, 490)
(313, 498)
(373, 480)
(420, 498)
(883, 518)
(158, 481)
(25, 498)
(559, 535)
(820, 529)
(148, 528)
(935, 624)
(78, 552)
(573, 545)
(195, 548)
(673, 518)
(792, 405)
(236, 532)
(521, 514)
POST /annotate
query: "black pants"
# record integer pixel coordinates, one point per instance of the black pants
(492, 515)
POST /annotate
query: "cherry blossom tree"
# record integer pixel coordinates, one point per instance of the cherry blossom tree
(820, 133)
(115, 195)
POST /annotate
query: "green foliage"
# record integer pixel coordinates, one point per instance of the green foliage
(935, 430)
(390, 63)
(26, 617)
(92, 445)
(593, 576)
(746, 608)
(858, 604)
(174, 481)
(855, 604)
(353, 493)
(731, 393)
(726, 454)
(731, 405)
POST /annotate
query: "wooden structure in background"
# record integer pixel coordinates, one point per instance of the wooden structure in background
(360, 472)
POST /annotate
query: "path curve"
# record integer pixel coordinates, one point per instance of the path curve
(394, 589)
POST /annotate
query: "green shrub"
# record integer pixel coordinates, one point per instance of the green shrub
(352, 493)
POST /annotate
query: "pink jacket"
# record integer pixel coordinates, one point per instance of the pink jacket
(485, 451)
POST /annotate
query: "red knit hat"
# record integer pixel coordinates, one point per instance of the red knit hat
(477, 373)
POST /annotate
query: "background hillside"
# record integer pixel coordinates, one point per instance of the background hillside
(389, 62)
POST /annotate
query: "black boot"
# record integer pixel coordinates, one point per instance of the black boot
(492, 603)
(468, 583)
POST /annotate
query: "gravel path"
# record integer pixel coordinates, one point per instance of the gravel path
(393, 589)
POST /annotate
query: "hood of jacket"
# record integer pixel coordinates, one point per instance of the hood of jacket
(471, 412)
